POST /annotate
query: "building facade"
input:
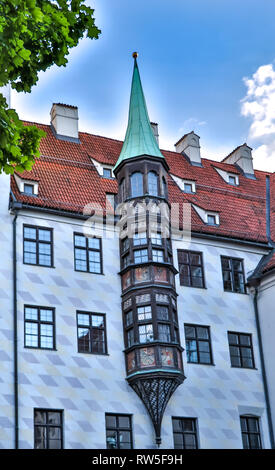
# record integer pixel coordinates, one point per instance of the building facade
(120, 333)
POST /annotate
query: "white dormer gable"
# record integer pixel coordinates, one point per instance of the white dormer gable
(187, 186)
(28, 187)
(101, 167)
(230, 178)
(208, 217)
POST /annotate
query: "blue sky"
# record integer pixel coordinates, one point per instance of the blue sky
(193, 58)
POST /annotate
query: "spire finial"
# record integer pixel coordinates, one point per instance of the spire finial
(135, 54)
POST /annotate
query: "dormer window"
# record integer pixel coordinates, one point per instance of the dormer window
(233, 179)
(107, 173)
(28, 189)
(188, 188)
(26, 186)
(212, 219)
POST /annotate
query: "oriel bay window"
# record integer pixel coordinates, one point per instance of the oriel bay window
(233, 274)
(154, 323)
(87, 254)
(191, 268)
(37, 246)
(91, 333)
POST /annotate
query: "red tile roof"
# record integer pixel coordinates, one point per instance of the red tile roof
(68, 180)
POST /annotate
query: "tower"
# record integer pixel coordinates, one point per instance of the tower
(153, 354)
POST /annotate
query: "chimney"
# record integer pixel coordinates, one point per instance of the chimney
(242, 158)
(189, 144)
(64, 121)
(155, 129)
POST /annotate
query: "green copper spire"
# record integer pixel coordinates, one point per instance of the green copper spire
(139, 138)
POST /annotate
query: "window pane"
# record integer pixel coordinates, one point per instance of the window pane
(252, 424)
(136, 184)
(30, 233)
(46, 315)
(98, 321)
(144, 313)
(162, 312)
(40, 433)
(83, 319)
(94, 243)
(178, 441)
(111, 437)
(124, 422)
(39, 417)
(233, 338)
(202, 333)
(152, 183)
(110, 421)
(195, 259)
(191, 351)
(139, 239)
(80, 241)
(44, 235)
(226, 263)
(83, 340)
(190, 441)
(176, 424)
(157, 255)
(54, 417)
(31, 313)
(190, 331)
(140, 256)
(254, 441)
(245, 340)
(29, 247)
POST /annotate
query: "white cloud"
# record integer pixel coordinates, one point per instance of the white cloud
(259, 106)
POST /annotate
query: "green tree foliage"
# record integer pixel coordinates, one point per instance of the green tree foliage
(34, 34)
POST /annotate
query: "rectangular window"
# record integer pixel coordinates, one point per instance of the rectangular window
(107, 173)
(48, 429)
(139, 239)
(88, 254)
(233, 275)
(146, 333)
(250, 432)
(156, 238)
(144, 313)
(118, 431)
(37, 246)
(157, 255)
(241, 350)
(212, 219)
(185, 433)
(28, 189)
(198, 344)
(191, 268)
(91, 333)
(188, 188)
(39, 327)
(140, 256)
(164, 332)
